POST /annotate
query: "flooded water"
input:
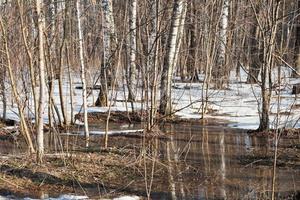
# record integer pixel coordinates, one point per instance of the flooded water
(221, 163)
(207, 162)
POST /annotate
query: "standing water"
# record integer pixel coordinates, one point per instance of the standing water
(217, 162)
(192, 161)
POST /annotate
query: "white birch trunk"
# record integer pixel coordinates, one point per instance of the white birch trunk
(297, 45)
(169, 60)
(223, 31)
(133, 50)
(40, 126)
(107, 7)
(180, 33)
(82, 67)
(220, 72)
(59, 46)
(108, 38)
(151, 62)
(106, 29)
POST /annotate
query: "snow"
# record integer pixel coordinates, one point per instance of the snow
(9, 127)
(127, 198)
(239, 103)
(109, 132)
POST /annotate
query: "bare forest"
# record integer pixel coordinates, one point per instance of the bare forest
(149, 99)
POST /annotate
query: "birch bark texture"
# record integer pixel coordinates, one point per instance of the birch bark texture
(297, 45)
(40, 126)
(223, 31)
(82, 71)
(151, 59)
(220, 73)
(109, 43)
(170, 59)
(133, 51)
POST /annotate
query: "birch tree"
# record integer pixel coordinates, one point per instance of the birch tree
(297, 45)
(220, 72)
(68, 34)
(40, 126)
(82, 67)
(132, 51)
(52, 18)
(59, 46)
(152, 58)
(268, 29)
(170, 58)
(180, 33)
(255, 51)
(109, 45)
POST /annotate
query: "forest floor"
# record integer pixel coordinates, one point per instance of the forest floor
(105, 174)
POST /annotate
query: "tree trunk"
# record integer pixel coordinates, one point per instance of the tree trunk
(109, 43)
(30, 59)
(40, 126)
(191, 62)
(297, 46)
(82, 66)
(220, 73)
(152, 59)
(49, 61)
(165, 107)
(268, 64)
(132, 52)
(264, 118)
(24, 127)
(61, 72)
(3, 91)
(180, 33)
(68, 35)
(255, 52)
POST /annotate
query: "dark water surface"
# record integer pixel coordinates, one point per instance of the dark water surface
(207, 162)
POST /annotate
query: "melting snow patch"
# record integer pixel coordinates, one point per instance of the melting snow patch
(69, 197)
(109, 132)
(127, 198)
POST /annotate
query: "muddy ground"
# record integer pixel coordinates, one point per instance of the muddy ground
(138, 117)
